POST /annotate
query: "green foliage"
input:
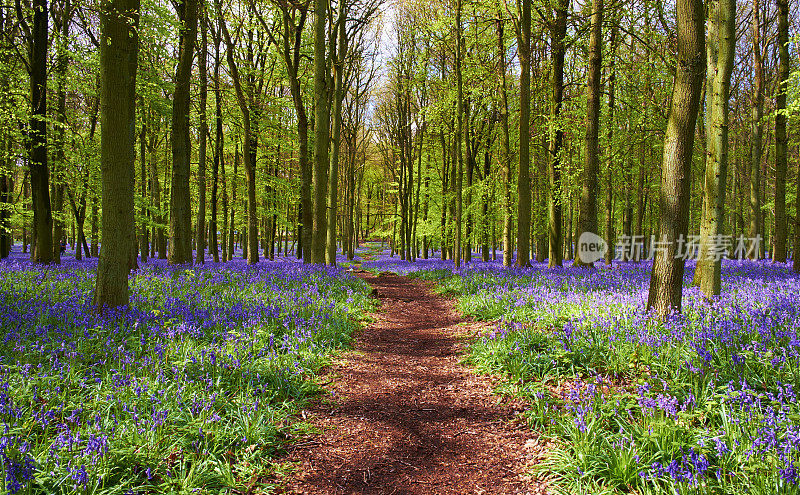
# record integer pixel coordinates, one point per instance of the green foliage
(196, 388)
(633, 404)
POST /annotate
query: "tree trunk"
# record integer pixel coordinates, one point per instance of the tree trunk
(609, 227)
(144, 244)
(218, 150)
(248, 148)
(505, 161)
(62, 23)
(37, 135)
(221, 159)
(587, 215)
(322, 112)
(757, 132)
(558, 32)
(781, 139)
(458, 137)
(232, 226)
(338, 96)
(180, 219)
(796, 247)
(720, 49)
(485, 220)
(6, 192)
(523, 172)
(158, 201)
(200, 239)
(666, 282)
(118, 64)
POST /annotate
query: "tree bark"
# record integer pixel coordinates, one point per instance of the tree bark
(248, 148)
(180, 215)
(232, 226)
(523, 172)
(666, 281)
(612, 159)
(118, 64)
(781, 139)
(62, 23)
(555, 237)
(720, 50)
(225, 254)
(218, 149)
(505, 161)
(458, 137)
(322, 112)
(291, 51)
(37, 137)
(6, 192)
(144, 243)
(587, 216)
(338, 96)
(200, 238)
(757, 131)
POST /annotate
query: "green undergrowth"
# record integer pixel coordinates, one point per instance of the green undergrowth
(704, 403)
(196, 388)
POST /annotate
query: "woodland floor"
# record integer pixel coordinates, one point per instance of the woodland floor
(406, 417)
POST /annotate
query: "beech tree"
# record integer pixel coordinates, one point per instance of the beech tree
(558, 30)
(666, 280)
(523, 170)
(587, 222)
(180, 213)
(119, 49)
(781, 137)
(757, 129)
(720, 52)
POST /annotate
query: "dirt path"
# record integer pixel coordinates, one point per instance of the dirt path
(406, 417)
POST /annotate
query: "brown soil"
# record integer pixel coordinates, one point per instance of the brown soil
(405, 417)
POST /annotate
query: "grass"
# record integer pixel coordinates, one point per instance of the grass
(195, 388)
(703, 403)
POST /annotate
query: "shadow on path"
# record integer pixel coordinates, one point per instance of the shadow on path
(406, 418)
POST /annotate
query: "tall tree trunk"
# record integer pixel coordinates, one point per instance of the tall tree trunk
(144, 243)
(322, 112)
(338, 96)
(62, 23)
(505, 161)
(95, 228)
(757, 132)
(291, 51)
(37, 137)
(485, 220)
(720, 50)
(158, 201)
(558, 32)
(200, 239)
(458, 137)
(6, 193)
(232, 226)
(221, 159)
(523, 172)
(180, 214)
(666, 282)
(587, 215)
(470, 161)
(781, 139)
(218, 150)
(796, 247)
(248, 149)
(119, 47)
(609, 227)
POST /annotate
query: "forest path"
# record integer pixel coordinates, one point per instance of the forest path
(405, 417)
